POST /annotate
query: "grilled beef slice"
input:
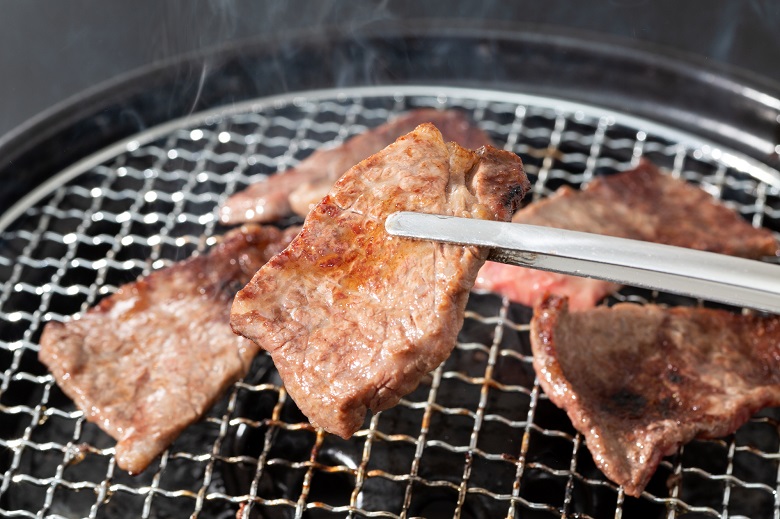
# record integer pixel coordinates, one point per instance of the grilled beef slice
(353, 317)
(639, 381)
(152, 358)
(641, 204)
(300, 188)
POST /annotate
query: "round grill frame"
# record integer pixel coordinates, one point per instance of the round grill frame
(561, 142)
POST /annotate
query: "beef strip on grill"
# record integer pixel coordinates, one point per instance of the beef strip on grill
(639, 381)
(152, 358)
(642, 204)
(300, 188)
(353, 317)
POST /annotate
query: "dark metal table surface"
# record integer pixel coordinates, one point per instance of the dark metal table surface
(53, 51)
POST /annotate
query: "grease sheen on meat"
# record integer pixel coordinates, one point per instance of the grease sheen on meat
(353, 317)
(298, 189)
(639, 381)
(151, 358)
(641, 204)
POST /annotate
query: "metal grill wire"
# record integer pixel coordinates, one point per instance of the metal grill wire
(477, 439)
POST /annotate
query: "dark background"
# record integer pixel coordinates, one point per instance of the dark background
(50, 51)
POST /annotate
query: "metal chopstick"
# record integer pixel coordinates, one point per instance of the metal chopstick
(705, 275)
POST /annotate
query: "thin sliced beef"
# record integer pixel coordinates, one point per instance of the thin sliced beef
(152, 358)
(639, 381)
(300, 188)
(642, 204)
(353, 317)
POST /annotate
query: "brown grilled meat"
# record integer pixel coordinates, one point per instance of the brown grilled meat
(353, 317)
(152, 358)
(300, 188)
(642, 204)
(639, 381)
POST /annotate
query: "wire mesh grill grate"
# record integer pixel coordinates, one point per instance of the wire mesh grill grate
(478, 438)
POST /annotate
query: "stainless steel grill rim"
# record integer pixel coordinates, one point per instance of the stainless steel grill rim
(150, 200)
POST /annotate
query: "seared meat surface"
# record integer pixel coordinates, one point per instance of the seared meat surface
(152, 358)
(642, 204)
(300, 188)
(639, 381)
(353, 317)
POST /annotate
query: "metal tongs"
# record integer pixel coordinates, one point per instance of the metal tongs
(705, 275)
